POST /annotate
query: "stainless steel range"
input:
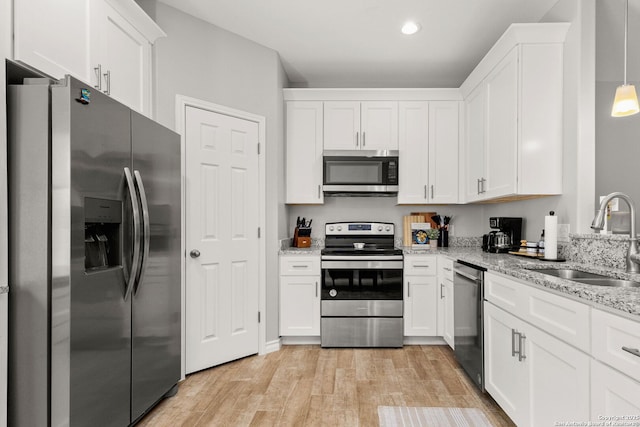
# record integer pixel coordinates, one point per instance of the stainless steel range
(361, 299)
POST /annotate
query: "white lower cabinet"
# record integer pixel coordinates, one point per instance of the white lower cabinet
(536, 378)
(445, 299)
(420, 296)
(613, 394)
(420, 306)
(299, 295)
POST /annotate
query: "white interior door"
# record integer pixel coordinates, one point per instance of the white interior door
(222, 266)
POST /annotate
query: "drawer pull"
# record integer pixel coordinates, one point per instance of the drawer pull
(299, 266)
(447, 269)
(420, 265)
(633, 351)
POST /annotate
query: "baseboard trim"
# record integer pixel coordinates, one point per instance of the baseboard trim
(272, 346)
(424, 341)
(300, 340)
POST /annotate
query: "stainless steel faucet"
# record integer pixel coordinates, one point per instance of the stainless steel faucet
(633, 258)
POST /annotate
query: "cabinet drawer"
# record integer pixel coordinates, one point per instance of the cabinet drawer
(504, 292)
(561, 317)
(299, 265)
(609, 334)
(446, 266)
(420, 265)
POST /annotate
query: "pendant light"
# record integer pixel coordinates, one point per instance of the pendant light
(625, 102)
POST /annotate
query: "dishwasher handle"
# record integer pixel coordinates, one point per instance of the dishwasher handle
(467, 275)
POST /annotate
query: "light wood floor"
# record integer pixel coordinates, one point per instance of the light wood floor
(310, 386)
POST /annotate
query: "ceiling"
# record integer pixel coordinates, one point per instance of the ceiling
(358, 43)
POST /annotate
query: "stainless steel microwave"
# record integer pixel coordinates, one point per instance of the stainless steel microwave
(360, 173)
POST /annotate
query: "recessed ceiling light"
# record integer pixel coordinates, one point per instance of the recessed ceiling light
(410, 28)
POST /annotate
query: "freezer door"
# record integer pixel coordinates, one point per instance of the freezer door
(91, 320)
(156, 298)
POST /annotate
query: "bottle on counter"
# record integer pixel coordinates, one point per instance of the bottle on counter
(541, 244)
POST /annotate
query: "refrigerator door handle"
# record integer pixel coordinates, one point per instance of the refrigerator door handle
(135, 264)
(146, 233)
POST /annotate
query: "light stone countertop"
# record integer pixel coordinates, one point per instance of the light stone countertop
(617, 299)
(625, 301)
(4, 289)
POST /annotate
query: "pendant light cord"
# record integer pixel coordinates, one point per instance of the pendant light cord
(626, 23)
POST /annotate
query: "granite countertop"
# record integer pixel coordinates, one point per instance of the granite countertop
(4, 289)
(313, 250)
(624, 300)
(621, 300)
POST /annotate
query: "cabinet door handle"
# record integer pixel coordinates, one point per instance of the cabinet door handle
(408, 289)
(432, 191)
(107, 75)
(364, 141)
(316, 289)
(513, 343)
(98, 71)
(357, 138)
(521, 355)
(478, 185)
(319, 190)
(482, 181)
(441, 290)
(447, 268)
(425, 191)
(633, 351)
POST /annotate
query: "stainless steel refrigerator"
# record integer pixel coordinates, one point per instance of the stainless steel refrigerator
(94, 206)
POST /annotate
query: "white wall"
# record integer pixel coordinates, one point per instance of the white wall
(467, 221)
(617, 139)
(200, 60)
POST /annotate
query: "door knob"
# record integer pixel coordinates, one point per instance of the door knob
(194, 253)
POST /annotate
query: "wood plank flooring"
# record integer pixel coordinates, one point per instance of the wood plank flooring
(311, 386)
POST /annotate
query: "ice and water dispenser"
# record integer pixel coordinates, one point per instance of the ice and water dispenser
(102, 233)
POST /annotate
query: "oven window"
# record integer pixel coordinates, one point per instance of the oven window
(353, 172)
(362, 283)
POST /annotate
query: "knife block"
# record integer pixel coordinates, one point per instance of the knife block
(302, 237)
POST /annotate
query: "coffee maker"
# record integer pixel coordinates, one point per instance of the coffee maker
(506, 238)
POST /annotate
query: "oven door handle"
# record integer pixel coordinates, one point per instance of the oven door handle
(362, 265)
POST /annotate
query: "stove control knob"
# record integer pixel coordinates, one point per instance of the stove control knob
(331, 228)
(333, 293)
(387, 228)
(339, 228)
(379, 228)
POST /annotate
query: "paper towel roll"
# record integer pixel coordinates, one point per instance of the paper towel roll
(551, 236)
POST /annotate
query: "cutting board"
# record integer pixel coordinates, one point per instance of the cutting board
(407, 220)
(427, 217)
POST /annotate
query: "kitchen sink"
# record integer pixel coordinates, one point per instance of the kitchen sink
(588, 278)
(570, 274)
(608, 281)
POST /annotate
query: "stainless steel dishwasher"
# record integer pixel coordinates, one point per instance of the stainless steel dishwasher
(468, 297)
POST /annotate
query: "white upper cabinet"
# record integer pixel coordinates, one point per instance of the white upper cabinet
(473, 164)
(353, 125)
(514, 103)
(379, 125)
(413, 146)
(53, 36)
(106, 43)
(304, 152)
(121, 52)
(444, 132)
(428, 146)
(342, 125)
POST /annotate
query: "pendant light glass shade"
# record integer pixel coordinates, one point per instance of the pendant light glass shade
(625, 102)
